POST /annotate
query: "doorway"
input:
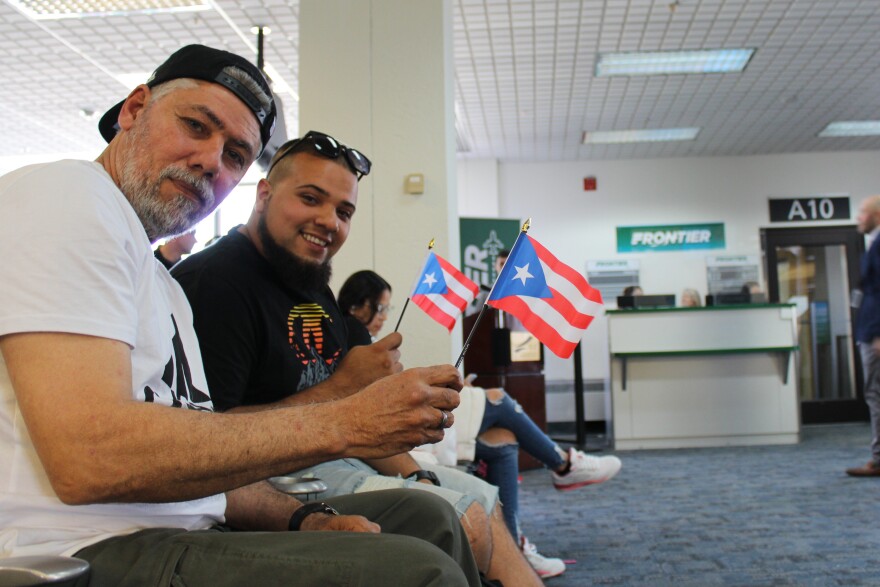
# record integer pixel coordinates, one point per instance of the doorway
(816, 268)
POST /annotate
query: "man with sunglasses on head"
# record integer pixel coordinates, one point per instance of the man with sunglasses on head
(272, 334)
(109, 446)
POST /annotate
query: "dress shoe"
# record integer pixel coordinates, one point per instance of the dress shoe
(871, 469)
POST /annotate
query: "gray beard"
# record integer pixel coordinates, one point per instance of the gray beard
(294, 273)
(163, 218)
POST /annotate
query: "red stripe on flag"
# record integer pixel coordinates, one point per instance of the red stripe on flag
(533, 323)
(571, 314)
(569, 274)
(432, 310)
(456, 300)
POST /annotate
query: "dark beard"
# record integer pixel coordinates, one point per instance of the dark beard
(293, 272)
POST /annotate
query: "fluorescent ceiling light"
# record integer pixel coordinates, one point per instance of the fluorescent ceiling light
(670, 62)
(59, 9)
(639, 136)
(851, 128)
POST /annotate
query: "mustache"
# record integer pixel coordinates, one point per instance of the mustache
(197, 183)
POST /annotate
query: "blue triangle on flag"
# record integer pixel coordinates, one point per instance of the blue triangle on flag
(431, 280)
(522, 274)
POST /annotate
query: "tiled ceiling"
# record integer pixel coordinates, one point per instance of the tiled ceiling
(53, 69)
(524, 83)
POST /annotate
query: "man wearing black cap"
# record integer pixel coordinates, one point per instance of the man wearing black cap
(109, 448)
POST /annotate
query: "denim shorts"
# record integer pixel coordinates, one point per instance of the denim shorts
(347, 476)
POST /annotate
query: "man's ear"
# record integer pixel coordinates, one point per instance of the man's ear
(264, 192)
(133, 106)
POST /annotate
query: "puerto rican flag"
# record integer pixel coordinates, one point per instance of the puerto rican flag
(553, 301)
(443, 291)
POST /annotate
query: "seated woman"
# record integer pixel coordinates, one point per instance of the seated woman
(490, 426)
(365, 300)
(690, 298)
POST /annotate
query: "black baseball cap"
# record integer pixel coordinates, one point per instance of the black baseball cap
(206, 63)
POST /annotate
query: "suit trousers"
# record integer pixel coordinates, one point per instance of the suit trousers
(871, 371)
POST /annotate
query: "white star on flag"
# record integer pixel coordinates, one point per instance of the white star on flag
(430, 280)
(522, 273)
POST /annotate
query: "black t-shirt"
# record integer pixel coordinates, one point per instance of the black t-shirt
(357, 333)
(260, 341)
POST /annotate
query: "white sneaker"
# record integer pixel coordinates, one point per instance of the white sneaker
(545, 567)
(586, 470)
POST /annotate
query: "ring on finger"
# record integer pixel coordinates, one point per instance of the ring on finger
(444, 418)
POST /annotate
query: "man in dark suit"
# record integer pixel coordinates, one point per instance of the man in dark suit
(868, 329)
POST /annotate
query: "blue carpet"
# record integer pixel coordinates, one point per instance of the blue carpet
(757, 516)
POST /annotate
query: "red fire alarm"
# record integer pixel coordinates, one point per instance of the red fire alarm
(590, 184)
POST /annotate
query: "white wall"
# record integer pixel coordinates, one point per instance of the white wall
(478, 188)
(579, 226)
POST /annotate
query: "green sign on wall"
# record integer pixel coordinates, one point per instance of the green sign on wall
(481, 240)
(680, 237)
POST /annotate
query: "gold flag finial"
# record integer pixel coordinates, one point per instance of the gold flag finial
(526, 225)
(431, 244)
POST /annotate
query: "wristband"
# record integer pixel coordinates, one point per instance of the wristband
(308, 509)
(420, 474)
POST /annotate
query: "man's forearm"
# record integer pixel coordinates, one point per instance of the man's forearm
(259, 507)
(242, 449)
(98, 444)
(326, 391)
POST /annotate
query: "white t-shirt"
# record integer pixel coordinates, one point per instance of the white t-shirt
(75, 258)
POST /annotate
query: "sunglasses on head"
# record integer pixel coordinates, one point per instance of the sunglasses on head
(328, 147)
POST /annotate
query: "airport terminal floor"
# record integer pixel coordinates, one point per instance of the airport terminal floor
(746, 516)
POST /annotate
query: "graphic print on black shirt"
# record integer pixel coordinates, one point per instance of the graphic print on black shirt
(310, 339)
(178, 378)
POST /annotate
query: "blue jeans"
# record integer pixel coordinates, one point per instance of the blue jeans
(502, 464)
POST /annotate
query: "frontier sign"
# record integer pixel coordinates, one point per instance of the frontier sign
(682, 237)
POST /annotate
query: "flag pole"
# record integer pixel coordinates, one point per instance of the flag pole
(406, 303)
(467, 342)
